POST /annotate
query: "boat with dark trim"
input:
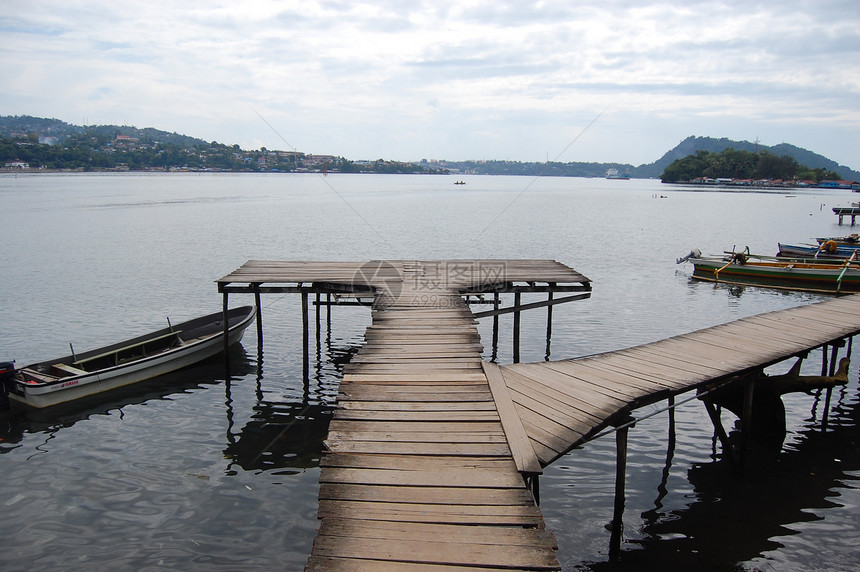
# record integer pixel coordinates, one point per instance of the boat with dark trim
(829, 249)
(79, 375)
(834, 277)
(848, 239)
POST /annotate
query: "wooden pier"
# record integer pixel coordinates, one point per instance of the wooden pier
(434, 455)
(841, 212)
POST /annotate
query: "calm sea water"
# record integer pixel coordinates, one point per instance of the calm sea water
(205, 470)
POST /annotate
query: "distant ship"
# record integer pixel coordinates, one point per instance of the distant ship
(612, 173)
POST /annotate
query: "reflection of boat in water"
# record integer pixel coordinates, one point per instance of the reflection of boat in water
(71, 377)
(613, 173)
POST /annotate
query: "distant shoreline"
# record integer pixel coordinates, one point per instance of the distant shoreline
(765, 184)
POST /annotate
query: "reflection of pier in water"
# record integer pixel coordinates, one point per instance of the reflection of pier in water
(287, 436)
(778, 489)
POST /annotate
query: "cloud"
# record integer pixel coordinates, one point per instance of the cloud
(444, 79)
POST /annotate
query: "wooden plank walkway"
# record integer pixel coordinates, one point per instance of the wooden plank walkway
(419, 474)
(564, 403)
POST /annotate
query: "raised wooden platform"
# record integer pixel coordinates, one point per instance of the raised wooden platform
(386, 276)
(430, 448)
(564, 403)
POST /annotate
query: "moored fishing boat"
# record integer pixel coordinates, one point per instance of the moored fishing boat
(79, 375)
(851, 239)
(740, 268)
(829, 249)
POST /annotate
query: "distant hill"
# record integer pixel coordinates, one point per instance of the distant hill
(691, 144)
(54, 130)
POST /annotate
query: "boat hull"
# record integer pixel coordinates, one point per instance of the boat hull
(813, 277)
(65, 389)
(842, 251)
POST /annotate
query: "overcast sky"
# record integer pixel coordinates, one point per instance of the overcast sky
(607, 81)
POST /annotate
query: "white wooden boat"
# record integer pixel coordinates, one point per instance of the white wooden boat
(78, 375)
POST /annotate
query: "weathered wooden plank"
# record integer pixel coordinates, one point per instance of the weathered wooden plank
(433, 377)
(415, 462)
(424, 447)
(427, 512)
(595, 408)
(423, 405)
(432, 495)
(623, 385)
(398, 393)
(406, 367)
(648, 355)
(521, 449)
(493, 535)
(546, 408)
(442, 426)
(342, 413)
(546, 431)
(426, 437)
(340, 564)
(516, 556)
(452, 477)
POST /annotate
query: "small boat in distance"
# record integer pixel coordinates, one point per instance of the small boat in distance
(459, 182)
(78, 375)
(613, 173)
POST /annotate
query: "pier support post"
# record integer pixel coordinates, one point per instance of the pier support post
(617, 525)
(746, 420)
(516, 358)
(495, 326)
(828, 393)
(318, 299)
(718, 427)
(548, 324)
(259, 315)
(533, 483)
(225, 307)
(305, 338)
(225, 325)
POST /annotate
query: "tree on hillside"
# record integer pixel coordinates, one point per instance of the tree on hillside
(739, 164)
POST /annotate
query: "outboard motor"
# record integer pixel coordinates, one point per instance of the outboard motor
(7, 372)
